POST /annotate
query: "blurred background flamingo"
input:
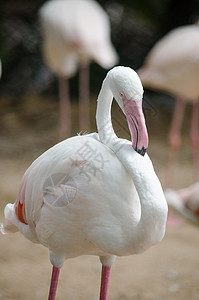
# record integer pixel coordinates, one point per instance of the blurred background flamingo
(75, 32)
(185, 202)
(172, 66)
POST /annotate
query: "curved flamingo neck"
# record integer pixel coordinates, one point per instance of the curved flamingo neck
(150, 228)
(103, 115)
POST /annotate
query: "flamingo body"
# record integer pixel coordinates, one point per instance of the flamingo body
(172, 66)
(90, 226)
(94, 194)
(76, 30)
(173, 63)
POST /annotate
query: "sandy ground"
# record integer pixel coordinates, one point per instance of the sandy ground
(168, 271)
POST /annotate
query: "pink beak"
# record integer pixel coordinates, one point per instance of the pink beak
(136, 122)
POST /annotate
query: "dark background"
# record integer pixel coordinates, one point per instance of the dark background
(136, 26)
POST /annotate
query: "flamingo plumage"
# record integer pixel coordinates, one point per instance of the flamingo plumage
(75, 32)
(185, 202)
(94, 194)
(172, 66)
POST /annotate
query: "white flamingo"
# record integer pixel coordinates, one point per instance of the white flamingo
(173, 66)
(75, 32)
(185, 202)
(94, 194)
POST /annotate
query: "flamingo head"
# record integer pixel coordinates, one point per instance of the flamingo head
(128, 92)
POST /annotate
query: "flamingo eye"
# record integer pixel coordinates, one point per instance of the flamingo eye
(121, 94)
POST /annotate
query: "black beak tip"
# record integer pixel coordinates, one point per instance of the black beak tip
(141, 151)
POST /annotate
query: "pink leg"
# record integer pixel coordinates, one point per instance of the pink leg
(106, 271)
(174, 143)
(53, 284)
(84, 102)
(174, 139)
(194, 135)
(65, 108)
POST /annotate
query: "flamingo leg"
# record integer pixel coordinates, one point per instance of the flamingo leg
(194, 135)
(174, 139)
(53, 284)
(84, 95)
(174, 144)
(64, 107)
(106, 271)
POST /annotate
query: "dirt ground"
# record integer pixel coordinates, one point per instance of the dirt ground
(168, 271)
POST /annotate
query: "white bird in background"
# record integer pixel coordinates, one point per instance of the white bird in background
(75, 32)
(185, 202)
(94, 194)
(173, 66)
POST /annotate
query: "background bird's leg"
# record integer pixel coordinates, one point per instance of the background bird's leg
(84, 95)
(106, 271)
(194, 135)
(64, 107)
(174, 140)
(53, 284)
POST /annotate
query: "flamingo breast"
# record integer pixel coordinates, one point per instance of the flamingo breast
(79, 196)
